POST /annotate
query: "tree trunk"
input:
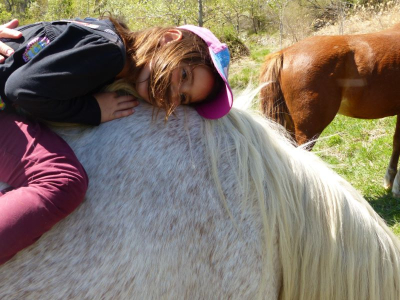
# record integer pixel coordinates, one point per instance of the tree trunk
(200, 13)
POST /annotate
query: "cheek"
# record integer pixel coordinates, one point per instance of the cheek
(142, 90)
(210, 84)
(206, 87)
(204, 84)
(142, 83)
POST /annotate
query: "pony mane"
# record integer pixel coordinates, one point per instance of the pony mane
(332, 244)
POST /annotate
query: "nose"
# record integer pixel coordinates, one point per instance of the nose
(175, 93)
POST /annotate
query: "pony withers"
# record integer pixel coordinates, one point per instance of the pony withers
(358, 76)
(207, 209)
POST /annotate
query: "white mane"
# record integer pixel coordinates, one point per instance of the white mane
(196, 209)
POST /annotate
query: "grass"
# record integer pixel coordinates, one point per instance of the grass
(245, 71)
(359, 150)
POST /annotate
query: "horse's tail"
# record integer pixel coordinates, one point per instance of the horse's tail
(272, 101)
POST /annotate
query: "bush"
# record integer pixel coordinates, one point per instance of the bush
(236, 47)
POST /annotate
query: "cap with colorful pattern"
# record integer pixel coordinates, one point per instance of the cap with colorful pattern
(221, 105)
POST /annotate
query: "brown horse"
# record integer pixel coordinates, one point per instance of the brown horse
(358, 76)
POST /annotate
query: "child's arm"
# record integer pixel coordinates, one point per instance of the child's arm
(114, 107)
(59, 82)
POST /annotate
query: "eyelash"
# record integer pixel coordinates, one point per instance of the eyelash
(184, 77)
(183, 98)
(184, 74)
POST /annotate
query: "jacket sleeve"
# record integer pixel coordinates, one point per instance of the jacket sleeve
(58, 84)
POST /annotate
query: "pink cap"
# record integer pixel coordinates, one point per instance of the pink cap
(222, 104)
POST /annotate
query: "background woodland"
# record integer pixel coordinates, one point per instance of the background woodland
(232, 20)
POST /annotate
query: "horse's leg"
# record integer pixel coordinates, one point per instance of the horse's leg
(391, 179)
(312, 112)
(308, 128)
(305, 137)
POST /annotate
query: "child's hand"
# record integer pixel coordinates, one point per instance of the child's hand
(7, 31)
(114, 107)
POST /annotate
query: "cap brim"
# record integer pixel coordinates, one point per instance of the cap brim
(217, 107)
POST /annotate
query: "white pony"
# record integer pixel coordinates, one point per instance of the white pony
(197, 209)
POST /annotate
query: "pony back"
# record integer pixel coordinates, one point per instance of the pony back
(207, 209)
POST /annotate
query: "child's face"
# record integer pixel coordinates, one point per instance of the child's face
(191, 85)
(188, 85)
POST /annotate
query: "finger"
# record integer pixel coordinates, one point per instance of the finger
(2, 59)
(10, 33)
(12, 24)
(127, 104)
(123, 113)
(5, 50)
(126, 98)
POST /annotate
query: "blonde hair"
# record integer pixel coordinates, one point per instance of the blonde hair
(144, 46)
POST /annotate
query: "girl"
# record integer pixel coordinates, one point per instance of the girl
(57, 73)
(59, 68)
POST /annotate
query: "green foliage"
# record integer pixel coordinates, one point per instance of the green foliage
(59, 9)
(258, 53)
(237, 16)
(245, 71)
(5, 15)
(236, 47)
(295, 18)
(248, 75)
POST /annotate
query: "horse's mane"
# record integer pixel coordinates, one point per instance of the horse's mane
(289, 223)
(332, 244)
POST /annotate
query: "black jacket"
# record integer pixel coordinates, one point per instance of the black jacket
(57, 66)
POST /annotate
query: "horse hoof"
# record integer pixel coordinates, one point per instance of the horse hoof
(387, 185)
(396, 195)
(389, 178)
(396, 190)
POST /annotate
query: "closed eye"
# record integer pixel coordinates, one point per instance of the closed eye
(183, 99)
(184, 74)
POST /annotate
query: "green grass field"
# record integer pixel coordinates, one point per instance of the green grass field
(245, 71)
(359, 150)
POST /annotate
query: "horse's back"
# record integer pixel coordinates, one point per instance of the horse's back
(152, 225)
(344, 56)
